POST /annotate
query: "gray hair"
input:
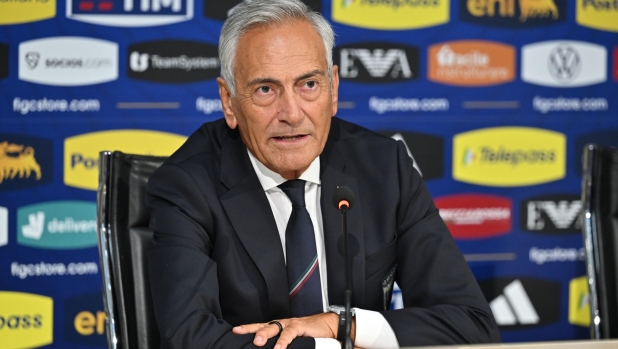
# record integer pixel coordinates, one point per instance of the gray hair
(250, 13)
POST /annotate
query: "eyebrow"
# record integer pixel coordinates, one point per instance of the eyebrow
(259, 81)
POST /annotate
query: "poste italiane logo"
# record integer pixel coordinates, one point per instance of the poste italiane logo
(579, 302)
(81, 152)
(58, 225)
(26, 11)
(391, 15)
(509, 156)
(26, 320)
(597, 14)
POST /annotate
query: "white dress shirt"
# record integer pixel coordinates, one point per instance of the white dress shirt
(372, 330)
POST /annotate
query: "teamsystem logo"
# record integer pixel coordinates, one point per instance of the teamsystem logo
(426, 151)
(130, 13)
(25, 161)
(173, 61)
(68, 61)
(475, 216)
(26, 320)
(220, 9)
(522, 302)
(377, 62)
(557, 214)
(391, 15)
(57, 225)
(563, 63)
(16, 12)
(513, 13)
(597, 14)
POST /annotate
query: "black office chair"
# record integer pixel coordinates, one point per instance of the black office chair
(124, 241)
(600, 230)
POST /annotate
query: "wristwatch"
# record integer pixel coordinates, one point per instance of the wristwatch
(339, 310)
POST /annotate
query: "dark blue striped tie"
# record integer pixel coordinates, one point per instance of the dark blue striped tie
(301, 255)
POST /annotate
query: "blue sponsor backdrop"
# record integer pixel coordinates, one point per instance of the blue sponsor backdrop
(387, 87)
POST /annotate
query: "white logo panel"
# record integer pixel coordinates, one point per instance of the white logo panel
(4, 226)
(68, 61)
(564, 63)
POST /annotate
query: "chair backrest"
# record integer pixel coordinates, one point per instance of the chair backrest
(124, 241)
(600, 230)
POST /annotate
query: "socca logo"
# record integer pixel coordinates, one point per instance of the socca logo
(426, 151)
(471, 63)
(509, 156)
(377, 62)
(4, 61)
(579, 302)
(518, 303)
(58, 225)
(130, 13)
(26, 320)
(557, 214)
(26, 11)
(24, 161)
(68, 61)
(475, 216)
(4, 226)
(81, 152)
(220, 9)
(513, 13)
(597, 14)
(391, 15)
(567, 63)
(84, 320)
(173, 61)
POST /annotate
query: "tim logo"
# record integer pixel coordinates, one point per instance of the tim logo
(24, 161)
(552, 214)
(220, 9)
(513, 13)
(426, 151)
(377, 62)
(130, 13)
(522, 302)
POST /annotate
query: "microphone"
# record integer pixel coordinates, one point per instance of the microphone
(343, 199)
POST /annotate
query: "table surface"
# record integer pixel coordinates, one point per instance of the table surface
(602, 344)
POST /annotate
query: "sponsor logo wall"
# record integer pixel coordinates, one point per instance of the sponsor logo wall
(493, 100)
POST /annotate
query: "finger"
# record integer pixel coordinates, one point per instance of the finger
(286, 337)
(266, 332)
(249, 328)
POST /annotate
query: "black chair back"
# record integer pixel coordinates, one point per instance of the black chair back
(124, 241)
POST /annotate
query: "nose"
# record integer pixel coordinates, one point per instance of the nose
(290, 110)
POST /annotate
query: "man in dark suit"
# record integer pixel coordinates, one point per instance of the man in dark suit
(230, 232)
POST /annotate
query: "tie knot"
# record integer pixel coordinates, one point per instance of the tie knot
(295, 190)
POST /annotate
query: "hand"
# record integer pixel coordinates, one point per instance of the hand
(322, 325)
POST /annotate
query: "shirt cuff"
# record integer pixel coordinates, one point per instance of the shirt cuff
(373, 331)
(327, 343)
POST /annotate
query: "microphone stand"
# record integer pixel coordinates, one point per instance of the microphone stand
(347, 296)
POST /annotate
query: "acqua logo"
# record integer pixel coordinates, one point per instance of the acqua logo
(16, 12)
(475, 216)
(26, 320)
(579, 302)
(391, 15)
(509, 156)
(597, 14)
(57, 225)
(81, 152)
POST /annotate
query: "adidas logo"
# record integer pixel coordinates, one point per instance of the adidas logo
(514, 306)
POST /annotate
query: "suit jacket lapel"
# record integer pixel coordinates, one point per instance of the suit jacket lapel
(249, 212)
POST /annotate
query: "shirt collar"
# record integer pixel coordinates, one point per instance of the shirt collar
(270, 179)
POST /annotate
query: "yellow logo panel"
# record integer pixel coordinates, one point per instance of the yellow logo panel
(16, 12)
(597, 14)
(391, 15)
(26, 320)
(81, 152)
(579, 305)
(509, 156)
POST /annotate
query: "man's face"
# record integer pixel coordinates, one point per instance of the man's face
(284, 102)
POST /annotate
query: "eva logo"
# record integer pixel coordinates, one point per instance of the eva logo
(513, 13)
(81, 152)
(475, 216)
(558, 214)
(471, 63)
(509, 156)
(391, 15)
(84, 320)
(16, 12)
(377, 62)
(427, 151)
(130, 13)
(597, 14)
(563, 63)
(25, 161)
(26, 320)
(4, 226)
(4, 60)
(58, 225)
(220, 9)
(579, 302)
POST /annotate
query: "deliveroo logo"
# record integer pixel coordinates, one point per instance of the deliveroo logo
(58, 225)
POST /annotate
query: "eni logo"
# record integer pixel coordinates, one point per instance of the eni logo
(26, 320)
(25, 11)
(597, 14)
(509, 156)
(15, 160)
(391, 15)
(513, 13)
(81, 152)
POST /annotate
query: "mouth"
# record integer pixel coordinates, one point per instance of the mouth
(290, 138)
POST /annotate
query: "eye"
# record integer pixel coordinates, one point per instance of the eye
(311, 84)
(264, 89)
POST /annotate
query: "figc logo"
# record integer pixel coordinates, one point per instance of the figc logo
(391, 15)
(26, 320)
(509, 156)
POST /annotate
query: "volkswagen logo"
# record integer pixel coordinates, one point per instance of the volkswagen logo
(564, 63)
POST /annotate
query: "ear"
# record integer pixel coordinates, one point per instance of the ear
(226, 103)
(335, 89)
